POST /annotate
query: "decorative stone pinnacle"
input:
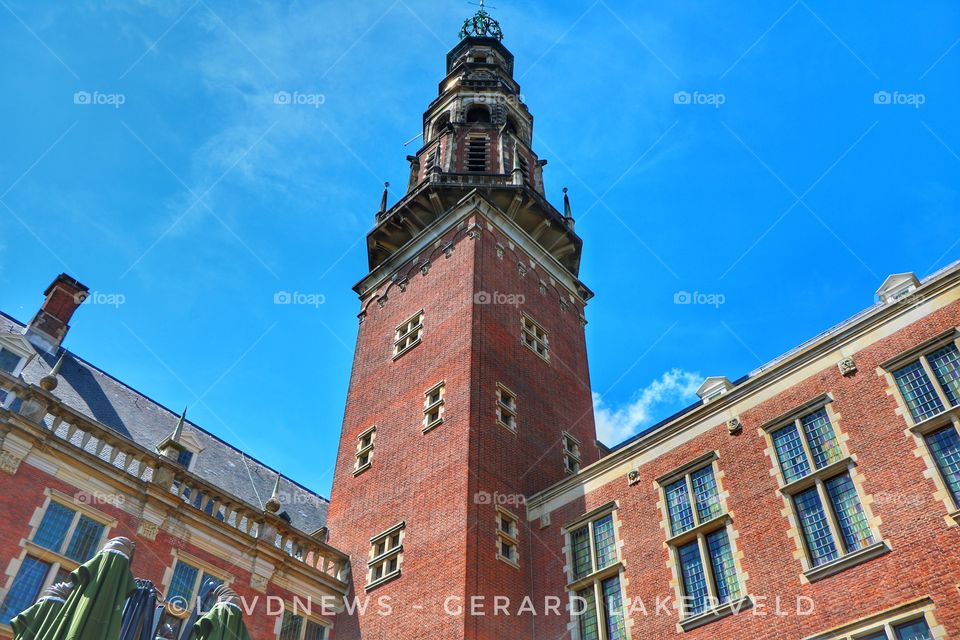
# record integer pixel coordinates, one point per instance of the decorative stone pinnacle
(383, 200)
(49, 382)
(178, 430)
(481, 25)
(273, 504)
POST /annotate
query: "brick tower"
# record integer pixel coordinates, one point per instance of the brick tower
(470, 387)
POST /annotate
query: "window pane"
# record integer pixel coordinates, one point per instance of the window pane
(8, 360)
(816, 531)
(290, 626)
(182, 583)
(721, 559)
(790, 453)
(705, 494)
(678, 505)
(589, 630)
(694, 579)
(613, 607)
(916, 630)
(946, 366)
(850, 516)
(581, 552)
(821, 438)
(945, 446)
(314, 631)
(85, 540)
(879, 635)
(605, 542)
(918, 392)
(53, 528)
(25, 588)
(184, 458)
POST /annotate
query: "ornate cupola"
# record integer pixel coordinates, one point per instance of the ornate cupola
(477, 135)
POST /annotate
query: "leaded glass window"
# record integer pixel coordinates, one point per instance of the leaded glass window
(931, 383)
(945, 447)
(701, 540)
(599, 597)
(816, 528)
(916, 630)
(60, 523)
(816, 448)
(851, 519)
(25, 588)
(183, 583)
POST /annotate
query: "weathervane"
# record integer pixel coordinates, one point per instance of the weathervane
(481, 25)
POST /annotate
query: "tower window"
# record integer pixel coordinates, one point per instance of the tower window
(433, 159)
(508, 532)
(478, 114)
(433, 408)
(477, 154)
(534, 336)
(523, 164)
(506, 408)
(386, 556)
(408, 334)
(571, 453)
(365, 450)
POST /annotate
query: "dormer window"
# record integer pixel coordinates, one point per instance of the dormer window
(897, 287)
(714, 387)
(9, 361)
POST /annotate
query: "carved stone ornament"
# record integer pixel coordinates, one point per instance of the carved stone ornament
(9, 463)
(543, 288)
(847, 367)
(633, 477)
(448, 249)
(500, 251)
(473, 231)
(148, 530)
(382, 300)
(258, 582)
(734, 426)
(425, 268)
(522, 268)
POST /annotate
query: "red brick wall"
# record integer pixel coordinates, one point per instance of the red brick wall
(923, 561)
(23, 493)
(431, 481)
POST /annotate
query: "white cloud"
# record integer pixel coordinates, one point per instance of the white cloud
(615, 424)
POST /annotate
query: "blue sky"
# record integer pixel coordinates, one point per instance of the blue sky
(782, 157)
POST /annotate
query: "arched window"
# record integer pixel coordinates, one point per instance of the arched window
(439, 125)
(478, 114)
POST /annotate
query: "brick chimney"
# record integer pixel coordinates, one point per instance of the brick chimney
(49, 327)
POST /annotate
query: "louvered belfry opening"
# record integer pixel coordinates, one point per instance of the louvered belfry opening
(477, 145)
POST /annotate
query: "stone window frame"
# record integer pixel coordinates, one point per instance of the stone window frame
(508, 409)
(392, 550)
(919, 431)
(55, 559)
(511, 537)
(572, 461)
(295, 609)
(203, 568)
(920, 353)
(885, 621)
(366, 442)
(404, 339)
(533, 332)
(724, 521)
(597, 576)
(817, 477)
(433, 406)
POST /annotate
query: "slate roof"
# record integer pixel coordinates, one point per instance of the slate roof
(98, 395)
